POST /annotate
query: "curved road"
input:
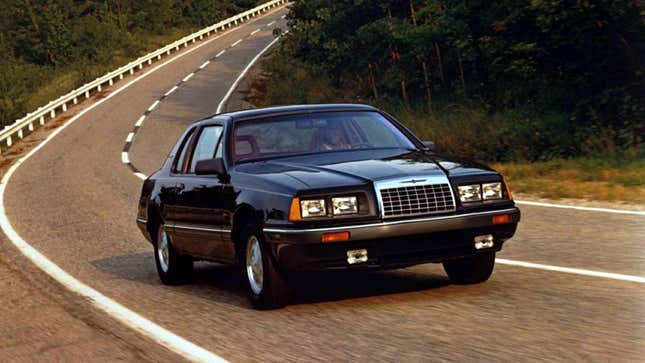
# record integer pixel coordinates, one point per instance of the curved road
(75, 201)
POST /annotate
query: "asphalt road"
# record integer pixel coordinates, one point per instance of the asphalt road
(75, 201)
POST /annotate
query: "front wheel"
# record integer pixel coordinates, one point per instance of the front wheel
(472, 269)
(172, 267)
(266, 286)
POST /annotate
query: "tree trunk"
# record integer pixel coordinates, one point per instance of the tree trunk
(440, 62)
(373, 81)
(461, 73)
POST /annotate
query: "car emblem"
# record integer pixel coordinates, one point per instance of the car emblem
(413, 181)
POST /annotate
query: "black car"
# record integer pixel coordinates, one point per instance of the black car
(319, 187)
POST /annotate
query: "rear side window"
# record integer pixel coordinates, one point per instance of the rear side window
(206, 145)
(181, 159)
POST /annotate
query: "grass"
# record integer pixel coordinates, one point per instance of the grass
(583, 178)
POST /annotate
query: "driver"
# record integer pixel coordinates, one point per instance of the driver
(332, 138)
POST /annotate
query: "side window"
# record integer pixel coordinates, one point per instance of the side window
(206, 144)
(181, 158)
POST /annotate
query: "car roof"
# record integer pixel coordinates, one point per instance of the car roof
(281, 110)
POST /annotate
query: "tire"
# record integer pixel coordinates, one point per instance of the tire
(266, 285)
(471, 270)
(172, 267)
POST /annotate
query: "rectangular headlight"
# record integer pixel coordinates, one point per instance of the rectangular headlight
(313, 208)
(492, 191)
(470, 193)
(344, 205)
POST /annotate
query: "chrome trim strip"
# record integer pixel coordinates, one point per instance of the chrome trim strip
(142, 220)
(384, 224)
(418, 180)
(201, 229)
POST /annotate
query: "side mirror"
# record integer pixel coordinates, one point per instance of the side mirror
(429, 145)
(210, 167)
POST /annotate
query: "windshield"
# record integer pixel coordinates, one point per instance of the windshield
(315, 133)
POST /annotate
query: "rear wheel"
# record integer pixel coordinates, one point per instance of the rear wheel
(267, 287)
(471, 269)
(172, 267)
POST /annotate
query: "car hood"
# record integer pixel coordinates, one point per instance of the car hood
(353, 168)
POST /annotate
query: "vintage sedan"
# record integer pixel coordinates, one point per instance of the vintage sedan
(319, 187)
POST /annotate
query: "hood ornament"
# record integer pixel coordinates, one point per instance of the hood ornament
(413, 181)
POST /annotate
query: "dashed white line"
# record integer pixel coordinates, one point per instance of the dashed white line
(572, 270)
(271, 23)
(188, 77)
(204, 65)
(220, 53)
(130, 137)
(124, 157)
(154, 104)
(141, 176)
(170, 91)
(236, 43)
(589, 209)
(117, 311)
(255, 31)
(140, 121)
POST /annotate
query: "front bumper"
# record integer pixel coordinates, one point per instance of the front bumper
(391, 244)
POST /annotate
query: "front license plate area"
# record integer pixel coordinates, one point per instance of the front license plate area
(356, 256)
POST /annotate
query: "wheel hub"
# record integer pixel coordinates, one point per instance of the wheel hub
(254, 267)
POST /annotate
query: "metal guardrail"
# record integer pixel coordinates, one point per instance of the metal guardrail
(21, 127)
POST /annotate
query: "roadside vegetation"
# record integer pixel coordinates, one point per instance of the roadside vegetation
(48, 48)
(551, 87)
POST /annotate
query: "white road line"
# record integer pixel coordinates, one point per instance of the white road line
(140, 121)
(130, 137)
(141, 176)
(271, 23)
(572, 270)
(236, 43)
(220, 53)
(117, 311)
(188, 77)
(154, 104)
(255, 31)
(204, 65)
(283, 16)
(241, 76)
(170, 91)
(124, 157)
(589, 209)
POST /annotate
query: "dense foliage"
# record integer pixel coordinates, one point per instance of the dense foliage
(43, 40)
(571, 73)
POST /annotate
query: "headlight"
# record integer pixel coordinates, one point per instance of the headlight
(492, 191)
(470, 193)
(313, 208)
(344, 205)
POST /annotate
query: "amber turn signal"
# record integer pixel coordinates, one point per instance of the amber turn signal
(501, 219)
(335, 237)
(294, 211)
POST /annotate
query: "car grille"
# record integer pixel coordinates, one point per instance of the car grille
(417, 200)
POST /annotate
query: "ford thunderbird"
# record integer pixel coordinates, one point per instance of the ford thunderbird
(316, 188)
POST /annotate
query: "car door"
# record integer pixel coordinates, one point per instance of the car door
(200, 210)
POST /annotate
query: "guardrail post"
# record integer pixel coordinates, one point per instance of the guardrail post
(99, 88)
(75, 100)
(121, 76)
(42, 120)
(31, 126)
(64, 107)
(111, 82)
(159, 57)
(20, 134)
(149, 61)
(52, 114)
(87, 94)
(140, 65)
(9, 141)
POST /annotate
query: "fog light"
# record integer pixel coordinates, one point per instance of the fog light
(485, 241)
(356, 256)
